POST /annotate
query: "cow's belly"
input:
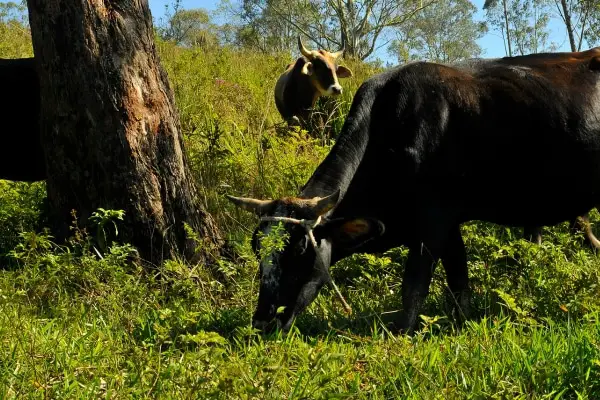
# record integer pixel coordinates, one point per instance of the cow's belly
(522, 202)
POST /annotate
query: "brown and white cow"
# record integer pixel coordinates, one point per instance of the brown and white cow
(313, 75)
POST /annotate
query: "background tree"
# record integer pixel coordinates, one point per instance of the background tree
(263, 28)
(592, 33)
(191, 27)
(444, 32)
(329, 24)
(15, 38)
(523, 25)
(110, 128)
(580, 18)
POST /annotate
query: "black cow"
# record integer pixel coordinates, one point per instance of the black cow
(426, 147)
(21, 154)
(305, 80)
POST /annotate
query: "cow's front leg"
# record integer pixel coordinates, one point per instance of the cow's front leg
(419, 269)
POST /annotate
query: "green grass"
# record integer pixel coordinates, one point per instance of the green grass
(76, 326)
(82, 321)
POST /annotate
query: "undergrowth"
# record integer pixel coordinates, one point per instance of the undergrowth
(77, 322)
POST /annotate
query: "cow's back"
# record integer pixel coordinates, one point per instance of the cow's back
(495, 139)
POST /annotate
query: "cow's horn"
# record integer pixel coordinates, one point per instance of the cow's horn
(338, 53)
(303, 49)
(324, 204)
(341, 50)
(259, 207)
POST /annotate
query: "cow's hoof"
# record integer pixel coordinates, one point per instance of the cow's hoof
(398, 323)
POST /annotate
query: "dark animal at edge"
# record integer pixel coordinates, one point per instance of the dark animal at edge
(21, 155)
(305, 80)
(426, 147)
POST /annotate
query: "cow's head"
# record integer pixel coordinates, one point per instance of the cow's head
(292, 274)
(323, 70)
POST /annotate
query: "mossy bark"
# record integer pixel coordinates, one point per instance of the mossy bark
(110, 128)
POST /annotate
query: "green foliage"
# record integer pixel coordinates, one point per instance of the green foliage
(360, 26)
(15, 38)
(444, 32)
(188, 27)
(104, 327)
(103, 218)
(20, 210)
(523, 25)
(275, 241)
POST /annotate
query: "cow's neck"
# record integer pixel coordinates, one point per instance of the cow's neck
(340, 165)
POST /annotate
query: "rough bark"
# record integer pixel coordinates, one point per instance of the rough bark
(567, 18)
(109, 125)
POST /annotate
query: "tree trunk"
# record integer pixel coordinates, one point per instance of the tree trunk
(109, 126)
(507, 29)
(568, 24)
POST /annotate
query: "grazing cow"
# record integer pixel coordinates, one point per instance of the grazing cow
(21, 154)
(424, 148)
(298, 88)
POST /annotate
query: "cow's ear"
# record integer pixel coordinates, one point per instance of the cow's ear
(349, 233)
(343, 72)
(307, 69)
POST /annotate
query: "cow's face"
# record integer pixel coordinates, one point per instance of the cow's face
(323, 70)
(293, 271)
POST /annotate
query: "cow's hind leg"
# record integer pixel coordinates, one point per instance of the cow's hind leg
(533, 234)
(583, 223)
(454, 260)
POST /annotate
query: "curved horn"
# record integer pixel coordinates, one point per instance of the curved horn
(303, 49)
(338, 53)
(324, 204)
(253, 205)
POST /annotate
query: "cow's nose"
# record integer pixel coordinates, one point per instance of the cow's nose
(336, 89)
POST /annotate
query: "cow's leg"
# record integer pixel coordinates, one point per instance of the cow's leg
(533, 234)
(583, 223)
(454, 260)
(422, 259)
(415, 285)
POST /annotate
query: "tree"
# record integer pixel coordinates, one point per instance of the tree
(188, 27)
(15, 39)
(523, 24)
(592, 33)
(109, 125)
(264, 29)
(442, 32)
(580, 18)
(332, 24)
